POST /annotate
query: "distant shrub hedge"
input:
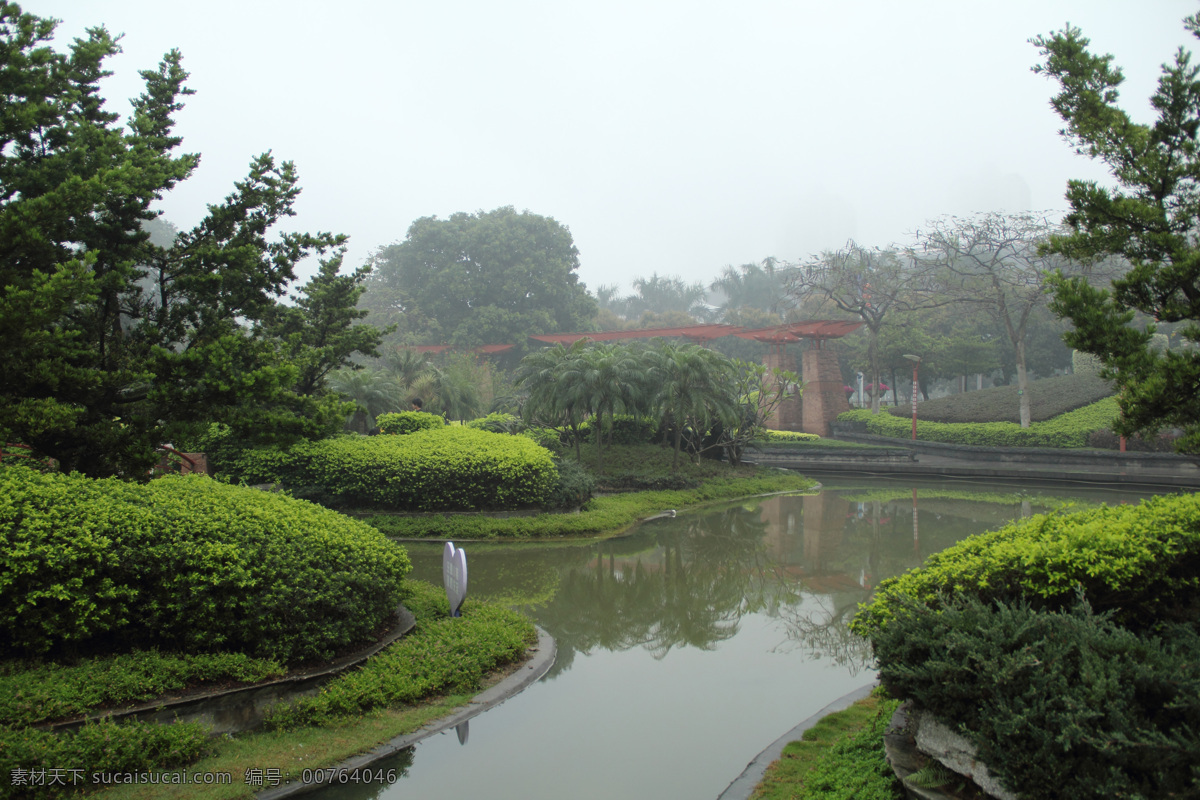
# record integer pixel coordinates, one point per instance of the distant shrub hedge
(1071, 429)
(185, 563)
(1048, 398)
(401, 422)
(445, 469)
(1142, 562)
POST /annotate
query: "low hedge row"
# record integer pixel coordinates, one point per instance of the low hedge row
(449, 468)
(1141, 561)
(185, 563)
(35, 693)
(443, 654)
(1066, 430)
(1048, 398)
(1059, 704)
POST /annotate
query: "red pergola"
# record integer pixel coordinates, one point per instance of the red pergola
(695, 333)
(820, 330)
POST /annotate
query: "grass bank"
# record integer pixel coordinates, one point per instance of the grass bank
(839, 758)
(436, 668)
(643, 483)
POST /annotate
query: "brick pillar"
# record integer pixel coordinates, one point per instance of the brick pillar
(789, 414)
(824, 393)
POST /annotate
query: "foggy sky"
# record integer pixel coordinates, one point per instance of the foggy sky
(670, 137)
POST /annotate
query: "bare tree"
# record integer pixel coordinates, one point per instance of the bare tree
(994, 260)
(869, 283)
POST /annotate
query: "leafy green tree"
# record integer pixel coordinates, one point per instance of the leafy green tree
(662, 294)
(319, 333)
(1149, 218)
(488, 278)
(111, 344)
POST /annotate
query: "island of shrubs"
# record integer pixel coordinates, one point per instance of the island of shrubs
(1064, 647)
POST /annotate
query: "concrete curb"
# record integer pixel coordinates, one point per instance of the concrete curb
(538, 664)
(743, 785)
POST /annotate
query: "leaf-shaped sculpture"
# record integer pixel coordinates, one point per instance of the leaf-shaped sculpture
(454, 576)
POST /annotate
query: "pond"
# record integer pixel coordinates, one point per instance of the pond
(689, 645)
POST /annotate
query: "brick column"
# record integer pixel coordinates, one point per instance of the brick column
(824, 393)
(789, 414)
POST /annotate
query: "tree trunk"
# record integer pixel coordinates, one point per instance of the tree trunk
(873, 358)
(895, 390)
(1023, 384)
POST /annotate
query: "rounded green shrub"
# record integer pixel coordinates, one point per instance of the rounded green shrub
(400, 422)
(185, 563)
(1142, 562)
(448, 469)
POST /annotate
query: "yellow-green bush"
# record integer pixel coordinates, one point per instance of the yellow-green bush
(185, 563)
(451, 468)
(401, 422)
(1141, 561)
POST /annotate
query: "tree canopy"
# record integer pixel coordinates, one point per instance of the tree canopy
(111, 344)
(492, 277)
(1149, 217)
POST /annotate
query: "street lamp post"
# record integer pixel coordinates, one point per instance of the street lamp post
(916, 363)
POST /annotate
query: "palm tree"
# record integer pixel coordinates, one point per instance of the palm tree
(694, 391)
(375, 391)
(550, 401)
(608, 378)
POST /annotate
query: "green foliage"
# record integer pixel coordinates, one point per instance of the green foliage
(402, 422)
(1066, 430)
(487, 278)
(574, 488)
(1059, 703)
(1141, 561)
(31, 693)
(104, 747)
(498, 423)
(111, 344)
(1048, 398)
(185, 563)
(1148, 219)
(441, 655)
(447, 468)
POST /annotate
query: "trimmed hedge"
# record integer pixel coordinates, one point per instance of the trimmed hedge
(403, 422)
(1048, 397)
(1066, 430)
(448, 469)
(185, 563)
(1141, 561)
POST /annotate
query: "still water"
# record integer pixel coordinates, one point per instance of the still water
(689, 645)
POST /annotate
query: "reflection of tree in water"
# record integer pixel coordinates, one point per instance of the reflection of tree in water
(689, 591)
(819, 625)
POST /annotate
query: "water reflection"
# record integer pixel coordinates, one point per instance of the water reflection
(808, 560)
(722, 629)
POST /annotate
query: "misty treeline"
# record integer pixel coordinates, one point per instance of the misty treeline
(966, 295)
